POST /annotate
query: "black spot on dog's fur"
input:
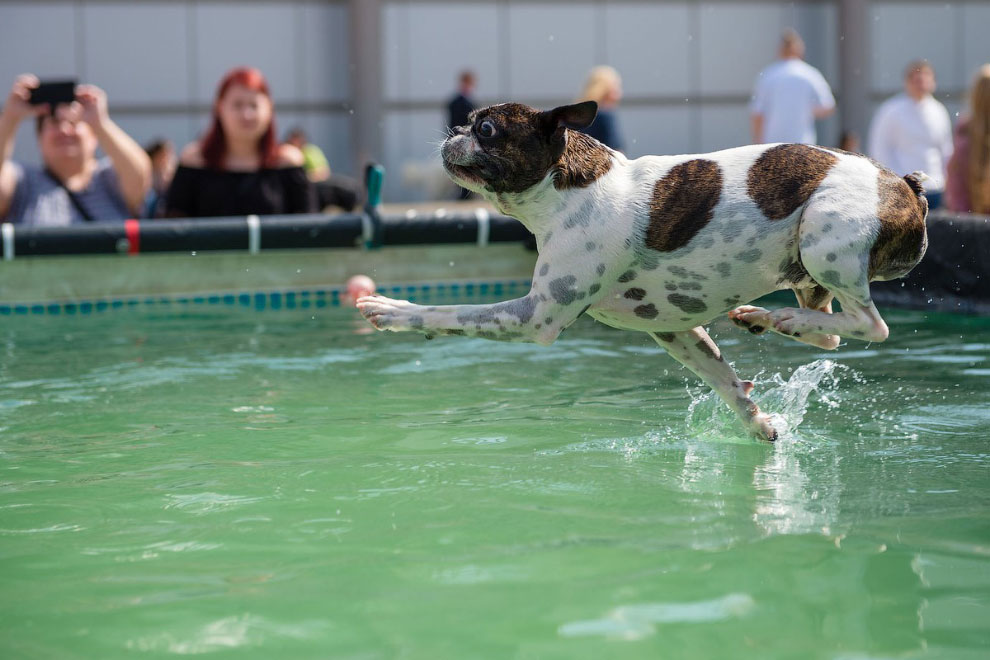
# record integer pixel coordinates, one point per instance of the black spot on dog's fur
(562, 289)
(902, 239)
(635, 293)
(709, 350)
(687, 303)
(749, 256)
(646, 311)
(583, 160)
(792, 271)
(521, 308)
(683, 202)
(784, 177)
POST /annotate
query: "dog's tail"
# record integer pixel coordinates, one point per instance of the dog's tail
(914, 180)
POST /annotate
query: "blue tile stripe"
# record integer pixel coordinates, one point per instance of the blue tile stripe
(274, 300)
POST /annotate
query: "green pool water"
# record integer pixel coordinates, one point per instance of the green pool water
(284, 485)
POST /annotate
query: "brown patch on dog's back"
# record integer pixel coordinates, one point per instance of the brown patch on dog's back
(683, 203)
(584, 160)
(902, 239)
(784, 177)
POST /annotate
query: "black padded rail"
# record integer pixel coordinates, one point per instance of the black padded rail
(953, 276)
(272, 233)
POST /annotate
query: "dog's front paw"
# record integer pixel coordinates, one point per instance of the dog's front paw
(386, 313)
(763, 428)
(754, 319)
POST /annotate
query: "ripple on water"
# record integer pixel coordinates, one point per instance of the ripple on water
(244, 631)
(203, 503)
(12, 404)
(138, 376)
(473, 574)
(633, 622)
(446, 356)
(944, 419)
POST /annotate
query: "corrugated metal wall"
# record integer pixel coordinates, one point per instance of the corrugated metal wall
(688, 67)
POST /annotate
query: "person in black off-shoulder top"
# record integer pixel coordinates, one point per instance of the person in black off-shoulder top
(238, 167)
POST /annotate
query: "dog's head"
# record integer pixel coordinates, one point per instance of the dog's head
(511, 147)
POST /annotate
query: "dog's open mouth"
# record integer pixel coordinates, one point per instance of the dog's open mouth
(463, 172)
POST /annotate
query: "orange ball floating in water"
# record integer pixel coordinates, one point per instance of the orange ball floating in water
(358, 286)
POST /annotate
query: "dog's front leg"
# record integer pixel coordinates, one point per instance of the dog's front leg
(695, 350)
(553, 303)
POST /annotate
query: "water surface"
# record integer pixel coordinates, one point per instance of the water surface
(282, 484)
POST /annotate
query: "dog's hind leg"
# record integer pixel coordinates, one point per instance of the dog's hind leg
(696, 351)
(841, 232)
(757, 319)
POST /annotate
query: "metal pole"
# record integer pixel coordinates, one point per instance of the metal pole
(366, 82)
(854, 66)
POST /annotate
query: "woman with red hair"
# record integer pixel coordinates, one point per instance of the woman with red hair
(238, 167)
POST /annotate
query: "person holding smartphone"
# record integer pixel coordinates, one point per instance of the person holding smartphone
(71, 185)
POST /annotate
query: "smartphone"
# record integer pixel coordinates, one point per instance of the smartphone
(54, 92)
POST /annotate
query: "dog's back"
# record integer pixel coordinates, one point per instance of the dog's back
(831, 198)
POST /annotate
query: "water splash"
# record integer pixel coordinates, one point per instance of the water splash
(786, 401)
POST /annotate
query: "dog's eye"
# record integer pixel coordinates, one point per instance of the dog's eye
(486, 129)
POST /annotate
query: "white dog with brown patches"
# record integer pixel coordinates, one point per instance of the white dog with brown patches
(664, 244)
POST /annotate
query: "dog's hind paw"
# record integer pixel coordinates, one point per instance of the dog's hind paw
(748, 317)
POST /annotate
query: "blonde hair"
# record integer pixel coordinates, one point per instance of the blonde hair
(978, 167)
(600, 80)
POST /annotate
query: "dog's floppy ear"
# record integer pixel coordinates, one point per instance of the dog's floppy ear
(576, 116)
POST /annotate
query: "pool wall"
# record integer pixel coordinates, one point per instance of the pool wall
(223, 261)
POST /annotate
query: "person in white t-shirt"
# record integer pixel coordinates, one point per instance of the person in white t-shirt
(790, 95)
(912, 131)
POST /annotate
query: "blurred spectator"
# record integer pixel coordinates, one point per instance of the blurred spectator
(461, 105)
(912, 131)
(330, 190)
(604, 86)
(458, 109)
(238, 167)
(967, 185)
(790, 95)
(849, 141)
(162, 155)
(72, 185)
(314, 161)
